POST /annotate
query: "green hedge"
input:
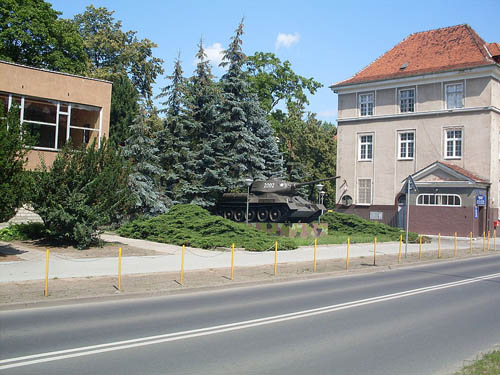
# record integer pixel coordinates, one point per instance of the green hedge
(190, 225)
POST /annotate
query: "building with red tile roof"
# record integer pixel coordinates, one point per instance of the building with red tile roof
(440, 50)
(427, 108)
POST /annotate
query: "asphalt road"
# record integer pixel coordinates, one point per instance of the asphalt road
(420, 320)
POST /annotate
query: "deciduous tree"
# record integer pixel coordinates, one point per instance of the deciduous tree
(31, 33)
(112, 51)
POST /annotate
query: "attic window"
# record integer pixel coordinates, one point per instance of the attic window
(404, 66)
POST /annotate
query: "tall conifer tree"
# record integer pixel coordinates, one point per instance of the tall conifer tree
(173, 143)
(208, 175)
(251, 149)
(144, 180)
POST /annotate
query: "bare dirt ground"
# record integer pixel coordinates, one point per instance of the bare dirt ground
(109, 249)
(32, 292)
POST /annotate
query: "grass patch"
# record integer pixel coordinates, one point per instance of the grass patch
(190, 225)
(22, 232)
(489, 364)
(337, 238)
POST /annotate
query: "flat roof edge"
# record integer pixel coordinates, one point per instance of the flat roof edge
(55, 72)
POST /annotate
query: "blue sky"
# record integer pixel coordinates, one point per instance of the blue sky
(327, 40)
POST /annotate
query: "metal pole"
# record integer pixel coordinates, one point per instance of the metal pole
(248, 193)
(407, 214)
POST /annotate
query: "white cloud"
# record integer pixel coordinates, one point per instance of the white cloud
(214, 53)
(286, 40)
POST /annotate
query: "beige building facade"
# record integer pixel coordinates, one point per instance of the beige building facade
(57, 107)
(439, 123)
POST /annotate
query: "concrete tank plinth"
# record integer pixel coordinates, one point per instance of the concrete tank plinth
(293, 230)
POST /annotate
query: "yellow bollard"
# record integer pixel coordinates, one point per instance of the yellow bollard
(439, 245)
(315, 249)
(275, 258)
(470, 243)
(232, 262)
(455, 252)
(120, 268)
(46, 291)
(420, 248)
(182, 264)
(484, 240)
(400, 245)
(488, 240)
(347, 257)
(494, 240)
(374, 250)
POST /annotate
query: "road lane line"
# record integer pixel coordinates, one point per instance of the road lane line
(157, 339)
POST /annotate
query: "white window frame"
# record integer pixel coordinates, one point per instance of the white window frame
(406, 143)
(412, 97)
(358, 200)
(454, 141)
(56, 124)
(368, 147)
(437, 200)
(446, 95)
(362, 102)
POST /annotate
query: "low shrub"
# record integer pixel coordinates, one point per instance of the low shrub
(84, 189)
(353, 224)
(190, 225)
(22, 232)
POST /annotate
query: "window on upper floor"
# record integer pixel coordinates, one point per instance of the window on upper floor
(453, 141)
(366, 103)
(364, 191)
(454, 95)
(365, 147)
(406, 145)
(407, 100)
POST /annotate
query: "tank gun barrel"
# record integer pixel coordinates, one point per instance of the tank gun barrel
(297, 185)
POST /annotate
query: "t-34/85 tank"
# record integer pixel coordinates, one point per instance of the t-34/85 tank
(271, 200)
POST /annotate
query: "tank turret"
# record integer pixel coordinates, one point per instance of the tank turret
(272, 200)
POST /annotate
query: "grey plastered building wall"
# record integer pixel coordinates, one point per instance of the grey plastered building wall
(430, 108)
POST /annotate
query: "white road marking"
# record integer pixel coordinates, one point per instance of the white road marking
(158, 339)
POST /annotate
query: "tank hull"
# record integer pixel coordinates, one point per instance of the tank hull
(269, 208)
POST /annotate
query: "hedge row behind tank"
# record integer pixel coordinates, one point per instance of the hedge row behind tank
(351, 224)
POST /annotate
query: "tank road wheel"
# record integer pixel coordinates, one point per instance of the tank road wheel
(239, 215)
(251, 215)
(274, 214)
(228, 214)
(262, 214)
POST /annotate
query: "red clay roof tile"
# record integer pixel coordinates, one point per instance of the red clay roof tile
(494, 49)
(463, 171)
(437, 50)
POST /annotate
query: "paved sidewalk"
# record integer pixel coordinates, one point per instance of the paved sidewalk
(32, 265)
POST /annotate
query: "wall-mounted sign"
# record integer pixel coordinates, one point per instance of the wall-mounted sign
(374, 215)
(476, 212)
(480, 200)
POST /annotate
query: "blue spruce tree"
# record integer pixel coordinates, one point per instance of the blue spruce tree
(251, 149)
(207, 175)
(173, 140)
(144, 180)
